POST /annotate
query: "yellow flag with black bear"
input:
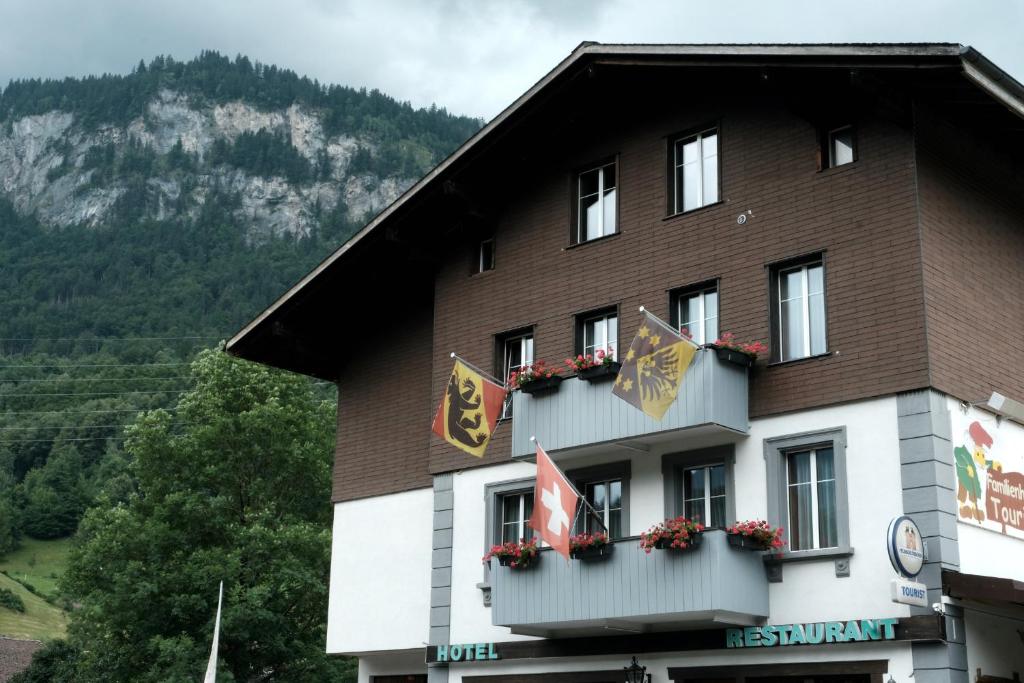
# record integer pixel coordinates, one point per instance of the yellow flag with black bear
(469, 410)
(653, 367)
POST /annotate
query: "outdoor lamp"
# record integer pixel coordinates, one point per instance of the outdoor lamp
(636, 673)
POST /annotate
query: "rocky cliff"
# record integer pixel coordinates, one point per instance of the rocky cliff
(45, 166)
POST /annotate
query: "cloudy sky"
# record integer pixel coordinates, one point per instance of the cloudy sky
(471, 56)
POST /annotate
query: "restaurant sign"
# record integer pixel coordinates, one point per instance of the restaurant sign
(853, 631)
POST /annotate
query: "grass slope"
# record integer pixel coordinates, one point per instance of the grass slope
(40, 563)
(40, 621)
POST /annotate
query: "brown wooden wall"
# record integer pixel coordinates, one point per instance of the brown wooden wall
(972, 226)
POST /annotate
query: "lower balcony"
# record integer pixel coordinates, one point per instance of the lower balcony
(711, 585)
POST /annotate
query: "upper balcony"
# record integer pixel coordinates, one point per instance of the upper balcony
(710, 585)
(712, 406)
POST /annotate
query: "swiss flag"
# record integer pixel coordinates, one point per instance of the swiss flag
(554, 504)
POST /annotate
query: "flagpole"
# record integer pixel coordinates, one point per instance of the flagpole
(668, 327)
(482, 372)
(211, 667)
(579, 495)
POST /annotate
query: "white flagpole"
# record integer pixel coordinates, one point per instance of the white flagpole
(211, 668)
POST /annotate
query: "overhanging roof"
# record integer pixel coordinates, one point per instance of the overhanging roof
(978, 70)
(980, 588)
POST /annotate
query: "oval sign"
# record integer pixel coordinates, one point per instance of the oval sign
(906, 546)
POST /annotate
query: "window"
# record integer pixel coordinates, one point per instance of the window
(596, 210)
(841, 146)
(699, 485)
(597, 332)
(696, 310)
(516, 509)
(807, 492)
(485, 258)
(704, 495)
(515, 350)
(606, 488)
(811, 489)
(798, 314)
(695, 171)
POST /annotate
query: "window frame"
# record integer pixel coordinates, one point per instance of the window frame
(575, 235)
(580, 321)
(480, 255)
(776, 454)
(775, 304)
(500, 341)
(679, 293)
(673, 465)
(825, 138)
(621, 470)
(673, 207)
(494, 492)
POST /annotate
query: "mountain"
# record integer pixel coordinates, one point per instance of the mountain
(149, 215)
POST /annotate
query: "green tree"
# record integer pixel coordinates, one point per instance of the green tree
(234, 488)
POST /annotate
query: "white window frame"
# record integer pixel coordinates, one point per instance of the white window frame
(523, 520)
(698, 337)
(605, 319)
(480, 255)
(806, 308)
(813, 483)
(707, 490)
(525, 353)
(580, 236)
(831, 141)
(606, 513)
(678, 163)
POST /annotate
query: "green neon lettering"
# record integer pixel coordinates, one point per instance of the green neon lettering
(797, 636)
(832, 632)
(815, 633)
(751, 636)
(733, 637)
(784, 633)
(890, 628)
(442, 653)
(869, 629)
(491, 654)
(769, 636)
(852, 632)
(455, 653)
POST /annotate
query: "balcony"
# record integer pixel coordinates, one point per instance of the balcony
(631, 591)
(580, 416)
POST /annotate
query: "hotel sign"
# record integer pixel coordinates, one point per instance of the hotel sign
(853, 631)
(466, 652)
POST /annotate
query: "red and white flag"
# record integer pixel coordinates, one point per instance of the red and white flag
(554, 504)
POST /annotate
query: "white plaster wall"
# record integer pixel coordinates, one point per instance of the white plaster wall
(983, 549)
(898, 654)
(380, 594)
(810, 590)
(994, 641)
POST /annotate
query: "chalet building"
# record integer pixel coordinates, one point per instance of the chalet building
(856, 208)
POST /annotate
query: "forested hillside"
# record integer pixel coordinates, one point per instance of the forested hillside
(146, 216)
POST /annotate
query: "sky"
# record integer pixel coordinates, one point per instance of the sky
(472, 57)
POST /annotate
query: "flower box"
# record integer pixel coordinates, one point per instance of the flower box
(506, 561)
(542, 385)
(747, 543)
(693, 543)
(593, 553)
(733, 356)
(600, 373)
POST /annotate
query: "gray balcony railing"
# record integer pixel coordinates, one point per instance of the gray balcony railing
(631, 590)
(712, 403)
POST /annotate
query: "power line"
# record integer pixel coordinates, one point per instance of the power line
(12, 429)
(94, 379)
(96, 393)
(105, 339)
(62, 412)
(97, 365)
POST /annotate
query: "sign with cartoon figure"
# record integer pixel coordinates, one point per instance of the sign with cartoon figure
(989, 460)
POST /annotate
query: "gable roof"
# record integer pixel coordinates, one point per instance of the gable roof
(964, 60)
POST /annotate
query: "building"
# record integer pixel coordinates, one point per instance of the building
(855, 207)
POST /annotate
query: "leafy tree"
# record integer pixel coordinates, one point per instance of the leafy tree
(56, 662)
(238, 492)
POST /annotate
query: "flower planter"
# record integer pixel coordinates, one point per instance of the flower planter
(545, 385)
(593, 553)
(506, 561)
(666, 543)
(600, 373)
(746, 543)
(733, 356)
